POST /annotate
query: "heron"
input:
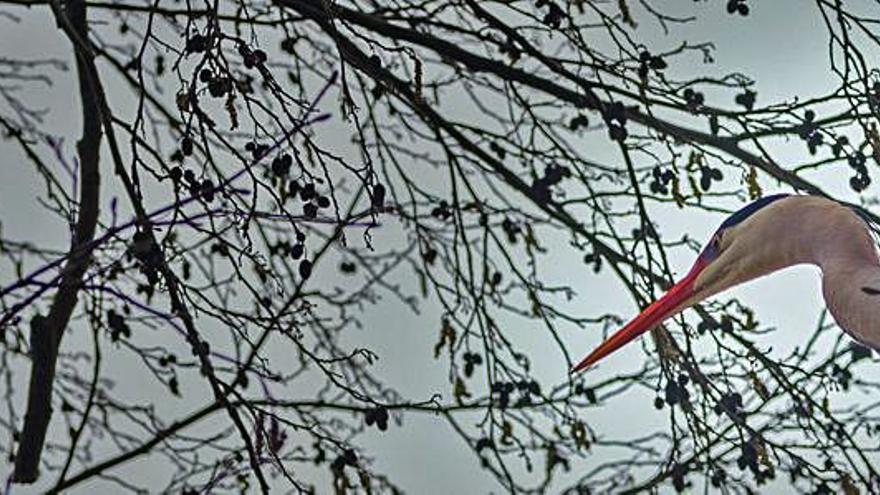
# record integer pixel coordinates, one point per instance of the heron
(767, 235)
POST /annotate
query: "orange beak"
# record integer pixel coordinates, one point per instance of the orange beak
(656, 313)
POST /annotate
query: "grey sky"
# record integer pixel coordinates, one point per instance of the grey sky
(780, 45)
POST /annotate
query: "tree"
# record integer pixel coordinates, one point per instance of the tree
(224, 241)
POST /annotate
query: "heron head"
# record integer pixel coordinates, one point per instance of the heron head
(734, 254)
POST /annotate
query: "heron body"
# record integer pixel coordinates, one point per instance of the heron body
(768, 235)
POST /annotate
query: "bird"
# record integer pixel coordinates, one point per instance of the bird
(767, 235)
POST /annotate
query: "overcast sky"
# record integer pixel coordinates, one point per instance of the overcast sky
(780, 45)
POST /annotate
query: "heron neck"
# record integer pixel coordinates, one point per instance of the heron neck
(851, 286)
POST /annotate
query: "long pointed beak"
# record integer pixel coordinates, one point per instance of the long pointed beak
(660, 310)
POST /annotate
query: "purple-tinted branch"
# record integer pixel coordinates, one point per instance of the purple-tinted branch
(31, 277)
